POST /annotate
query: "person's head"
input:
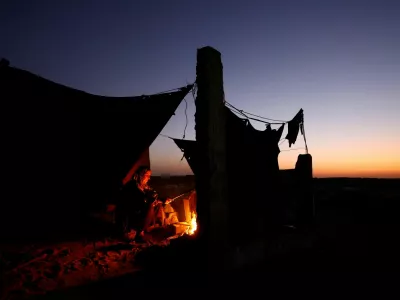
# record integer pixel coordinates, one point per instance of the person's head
(142, 175)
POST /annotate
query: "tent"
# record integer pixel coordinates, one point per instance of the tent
(65, 150)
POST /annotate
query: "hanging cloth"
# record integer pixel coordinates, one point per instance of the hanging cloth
(293, 127)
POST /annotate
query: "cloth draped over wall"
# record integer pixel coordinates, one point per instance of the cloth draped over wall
(269, 136)
(240, 134)
(65, 150)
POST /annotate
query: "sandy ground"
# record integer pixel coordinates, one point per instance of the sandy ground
(36, 270)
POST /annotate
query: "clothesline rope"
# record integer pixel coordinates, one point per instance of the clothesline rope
(240, 111)
(250, 118)
(245, 113)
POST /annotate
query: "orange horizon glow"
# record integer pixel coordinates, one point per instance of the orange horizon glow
(325, 164)
(317, 173)
(358, 155)
(321, 169)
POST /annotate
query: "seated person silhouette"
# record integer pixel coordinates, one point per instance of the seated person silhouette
(138, 206)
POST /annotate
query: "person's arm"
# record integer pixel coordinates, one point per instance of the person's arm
(164, 200)
(155, 199)
(152, 196)
(161, 200)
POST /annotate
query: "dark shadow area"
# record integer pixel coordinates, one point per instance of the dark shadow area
(354, 240)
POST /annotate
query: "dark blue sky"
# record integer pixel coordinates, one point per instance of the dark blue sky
(338, 60)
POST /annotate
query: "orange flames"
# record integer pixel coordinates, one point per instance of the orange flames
(193, 224)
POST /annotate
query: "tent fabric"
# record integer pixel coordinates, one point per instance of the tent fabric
(188, 148)
(62, 145)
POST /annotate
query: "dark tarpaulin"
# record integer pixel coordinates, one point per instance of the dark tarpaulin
(252, 162)
(188, 148)
(243, 135)
(64, 150)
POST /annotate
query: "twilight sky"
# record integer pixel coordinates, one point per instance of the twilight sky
(338, 60)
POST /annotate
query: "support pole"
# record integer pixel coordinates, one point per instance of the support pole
(211, 182)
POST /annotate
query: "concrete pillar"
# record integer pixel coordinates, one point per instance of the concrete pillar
(211, 180)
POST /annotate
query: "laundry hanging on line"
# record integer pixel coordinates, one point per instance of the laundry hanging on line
(294, 126)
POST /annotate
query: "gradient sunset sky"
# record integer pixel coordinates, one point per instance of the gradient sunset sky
(338, 60)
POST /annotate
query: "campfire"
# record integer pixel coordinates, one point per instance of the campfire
(182, 215)
(193, 224)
